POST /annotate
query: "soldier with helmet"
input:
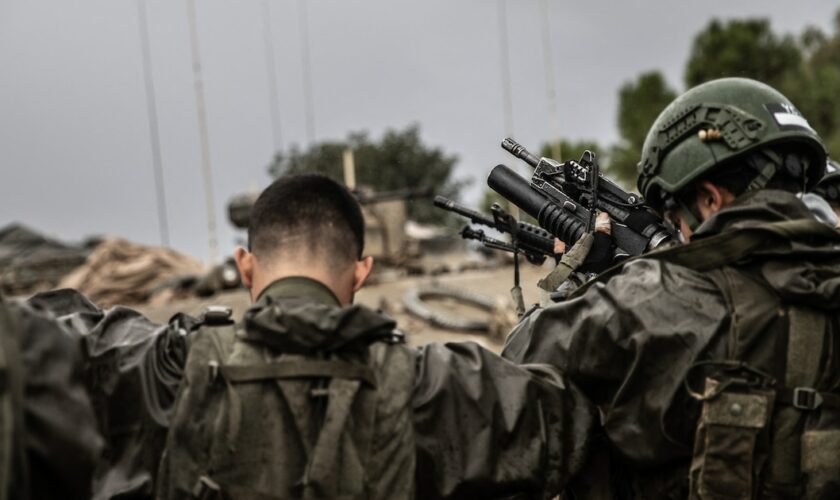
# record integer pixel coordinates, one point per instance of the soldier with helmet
(713, 364)
(829, 187)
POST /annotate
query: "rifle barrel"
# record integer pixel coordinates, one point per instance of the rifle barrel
(475, 217)
(519, 151)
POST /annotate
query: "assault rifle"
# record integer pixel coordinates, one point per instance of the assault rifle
(565, 198)
(531, 241)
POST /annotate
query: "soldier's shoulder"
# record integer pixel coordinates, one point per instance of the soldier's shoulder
(646, 276)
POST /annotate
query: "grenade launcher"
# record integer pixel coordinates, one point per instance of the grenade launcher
(565, 198)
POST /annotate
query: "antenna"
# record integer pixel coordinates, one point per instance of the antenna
(550, 86)
(154, 133)
(271, 72)
(504, 67)
(307, 71)
(207, 168)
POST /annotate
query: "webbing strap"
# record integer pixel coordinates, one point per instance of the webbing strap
(803, 352)
(298, 369)
(805, 346)
(806, 398)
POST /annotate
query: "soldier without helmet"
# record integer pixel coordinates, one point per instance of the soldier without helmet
(311, 396)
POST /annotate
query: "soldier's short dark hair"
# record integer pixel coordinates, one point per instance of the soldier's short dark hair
(307, 212)
(736, 175)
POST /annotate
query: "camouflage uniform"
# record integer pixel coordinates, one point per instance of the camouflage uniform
(459, 419)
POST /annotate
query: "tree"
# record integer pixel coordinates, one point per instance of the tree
(400, 160)
(639, 103)
(742, 47)
(572, 150)
(806, 70)
(815, 88)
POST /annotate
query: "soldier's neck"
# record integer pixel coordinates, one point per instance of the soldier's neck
(340, 285)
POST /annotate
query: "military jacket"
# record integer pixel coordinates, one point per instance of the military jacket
(631, 342)
(50, 439)
(479, 426)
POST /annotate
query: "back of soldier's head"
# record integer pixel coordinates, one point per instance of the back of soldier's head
(306, 218)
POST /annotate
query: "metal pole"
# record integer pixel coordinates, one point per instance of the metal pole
(154, 134)
(504, 66)
(271, 70)
(550, 86)
(207, 169)
(307, 71)
(349, 169)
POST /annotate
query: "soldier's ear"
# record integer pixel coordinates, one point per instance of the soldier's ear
(711, 199)
(361, 272)
(245, 263)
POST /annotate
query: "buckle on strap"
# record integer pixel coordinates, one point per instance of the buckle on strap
(806, 398)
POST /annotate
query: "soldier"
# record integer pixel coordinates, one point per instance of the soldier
(713, 364)
(49, 442)
(311, 396)
(829, 188)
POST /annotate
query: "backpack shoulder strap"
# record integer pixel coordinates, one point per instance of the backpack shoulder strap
(298, 369)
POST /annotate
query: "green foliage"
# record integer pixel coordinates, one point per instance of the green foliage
(400, 160)
(489, 197)
(806, 70)
(572, 150)
(741, 47)
(639, 103)
(815, 87)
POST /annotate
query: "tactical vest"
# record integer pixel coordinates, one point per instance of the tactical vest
(770, 421)
(253, 423)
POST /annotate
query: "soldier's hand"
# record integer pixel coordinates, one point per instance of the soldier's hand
(600, 256)
(603, 223)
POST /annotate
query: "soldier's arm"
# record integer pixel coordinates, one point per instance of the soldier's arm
(628, 345)
(487, 428)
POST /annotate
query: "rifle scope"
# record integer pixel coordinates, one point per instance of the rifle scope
(551, 217)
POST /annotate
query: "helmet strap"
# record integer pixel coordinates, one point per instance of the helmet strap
(763, 177)
(687, 215)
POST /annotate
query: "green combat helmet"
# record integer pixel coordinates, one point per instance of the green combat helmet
(719, 121)
(829, 185)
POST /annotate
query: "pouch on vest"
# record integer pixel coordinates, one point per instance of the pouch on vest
(729, 434)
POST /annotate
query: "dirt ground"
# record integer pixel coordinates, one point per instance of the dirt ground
(387, 296)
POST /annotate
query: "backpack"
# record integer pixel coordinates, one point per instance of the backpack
(769, 423)
(257, 420)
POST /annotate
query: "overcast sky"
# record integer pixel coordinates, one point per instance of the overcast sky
(74, 133)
